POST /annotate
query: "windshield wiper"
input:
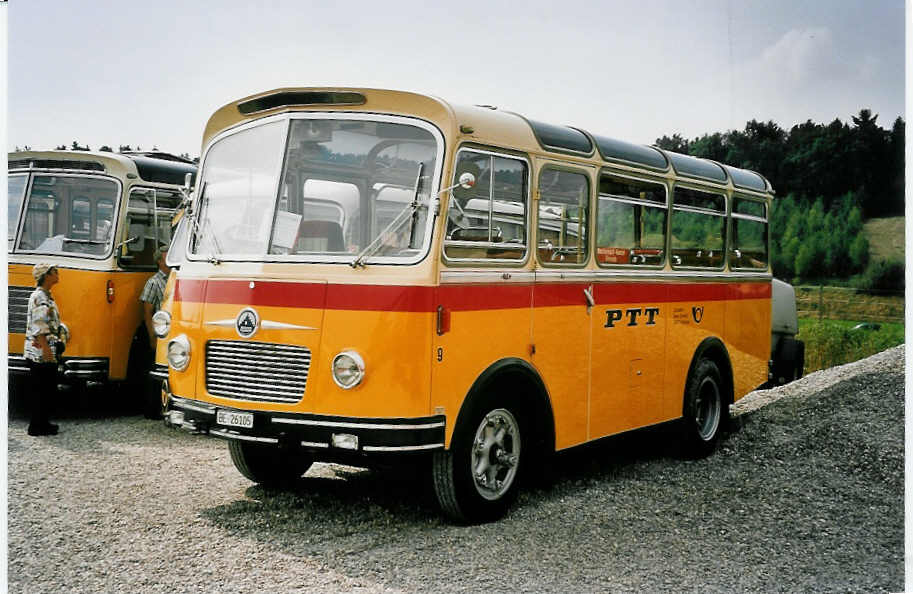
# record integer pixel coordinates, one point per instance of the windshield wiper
(406, 214)
(88, 241)
(198, 229)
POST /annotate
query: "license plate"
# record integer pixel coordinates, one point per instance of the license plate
(235, 419)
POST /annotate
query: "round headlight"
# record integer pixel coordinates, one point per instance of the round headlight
(161, 323)
(179, 352)
(348, 369)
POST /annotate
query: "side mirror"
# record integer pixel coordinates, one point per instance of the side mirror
(466, 181)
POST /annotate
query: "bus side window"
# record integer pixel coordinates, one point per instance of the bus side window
(698, 229)
(630, 222)
(564, 199)
(489, 220)
(748, 245)
(140, 233)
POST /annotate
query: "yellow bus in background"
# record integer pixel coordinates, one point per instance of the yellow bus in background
(375, 276)
(98, 217)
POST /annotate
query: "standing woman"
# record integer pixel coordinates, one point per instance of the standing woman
(42, 345)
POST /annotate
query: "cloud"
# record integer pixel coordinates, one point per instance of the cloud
(806, 73)
(802, 55)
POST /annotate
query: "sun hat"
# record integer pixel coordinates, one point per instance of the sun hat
(42, 268)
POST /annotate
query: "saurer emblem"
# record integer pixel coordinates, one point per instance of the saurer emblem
(247, 322)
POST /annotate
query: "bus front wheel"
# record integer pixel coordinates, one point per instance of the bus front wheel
(268, 465)
(478, 478)
(705, 409)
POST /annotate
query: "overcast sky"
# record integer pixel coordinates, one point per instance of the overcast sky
(152, 72)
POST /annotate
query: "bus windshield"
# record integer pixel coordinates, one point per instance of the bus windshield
(68, 214)
(15, 193)
(317, 190)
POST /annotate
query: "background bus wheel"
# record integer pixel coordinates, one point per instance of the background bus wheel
(790, 361)
(478, 479)
(268, 465)
(705, 409)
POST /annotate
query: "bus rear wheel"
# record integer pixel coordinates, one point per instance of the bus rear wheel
(478, 478)
(269, 466)
(705, 409)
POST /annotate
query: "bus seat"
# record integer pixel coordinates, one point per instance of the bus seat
(323, 236)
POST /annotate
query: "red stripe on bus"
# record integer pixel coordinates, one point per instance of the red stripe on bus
(486, 297)
(454, 297)
(380, 298)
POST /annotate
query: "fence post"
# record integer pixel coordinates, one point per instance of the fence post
(820, 302)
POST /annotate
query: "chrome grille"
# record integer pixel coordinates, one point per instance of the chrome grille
(18, 308)
(258, 371)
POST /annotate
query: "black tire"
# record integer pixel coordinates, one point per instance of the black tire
(790, 361)
(152, 399)
(268, 465)
(799, 361)
(135, 383)
(479, 477)
(705, 410)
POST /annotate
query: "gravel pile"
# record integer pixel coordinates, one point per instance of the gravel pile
(806, 494)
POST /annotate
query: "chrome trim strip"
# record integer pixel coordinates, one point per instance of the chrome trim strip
(203, 408)
(232, 379)
(81, 361)
(652, 274)
(159, 374)
(315, 444)
(231, 435)
(261, 347)
(270, 325)
(430, 446)
(487, 276)
(233, 388)
(345, 425)
(265, 367)
(228, 323)
(247, 354)
(74, 372)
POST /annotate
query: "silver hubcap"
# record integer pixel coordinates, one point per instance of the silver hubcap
(707, 409)
(496, 454)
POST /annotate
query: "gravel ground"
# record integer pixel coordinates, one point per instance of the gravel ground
(806, 494)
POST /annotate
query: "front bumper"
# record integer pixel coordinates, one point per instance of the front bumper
(87, 369)
(317, 433)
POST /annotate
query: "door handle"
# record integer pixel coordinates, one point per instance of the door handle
(588, 295)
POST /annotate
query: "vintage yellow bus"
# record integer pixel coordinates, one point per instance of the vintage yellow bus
(99, 217)
(376, 275)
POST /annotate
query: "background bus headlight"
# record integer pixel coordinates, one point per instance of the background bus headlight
(179, 353)
(348, 369)
(161, 323)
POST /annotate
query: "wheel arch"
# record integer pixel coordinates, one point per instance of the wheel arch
(713, 349)
(517, 376)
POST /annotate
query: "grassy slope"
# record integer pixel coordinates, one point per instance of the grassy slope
(886, 238)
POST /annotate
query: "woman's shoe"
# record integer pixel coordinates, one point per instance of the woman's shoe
(47, 429)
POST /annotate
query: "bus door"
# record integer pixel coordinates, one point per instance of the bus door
(563, 298)
(485, 298)
(631, 316)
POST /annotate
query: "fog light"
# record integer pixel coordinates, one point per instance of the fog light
(346, 441)
(175, 417)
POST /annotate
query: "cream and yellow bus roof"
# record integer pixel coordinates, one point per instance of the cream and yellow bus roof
(144, 166)
(485, 125)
